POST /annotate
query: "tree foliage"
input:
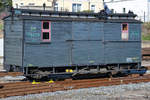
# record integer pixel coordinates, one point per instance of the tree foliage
(147, 25)
(5, 3)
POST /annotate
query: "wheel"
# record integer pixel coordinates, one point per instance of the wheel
(11, 69)
(109, 74)
(141, 74)
(1, 86)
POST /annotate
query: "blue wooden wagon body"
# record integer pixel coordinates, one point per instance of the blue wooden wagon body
(43, 39)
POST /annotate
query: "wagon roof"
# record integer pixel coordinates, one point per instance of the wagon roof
(47, 12)
(61, 16)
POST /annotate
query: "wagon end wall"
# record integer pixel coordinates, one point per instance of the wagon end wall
(13, 36)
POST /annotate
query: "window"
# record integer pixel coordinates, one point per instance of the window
(112, 10)
(56, 7)
(76, 7)
(125, 33)
(31, 4)
(73, 7)
(93, 8)
(45, 35)
(46, 31)
(45, 25)
(21, 4)
(16, 5)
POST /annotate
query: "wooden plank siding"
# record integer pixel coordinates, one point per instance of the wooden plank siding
(81, 43)
(72, 43)
(13, 42)
(118, 50)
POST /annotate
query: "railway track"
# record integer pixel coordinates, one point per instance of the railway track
(24, 88)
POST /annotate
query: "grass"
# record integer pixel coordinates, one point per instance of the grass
(1, 29)
(146, 37)
(1, 26)
(146, 31)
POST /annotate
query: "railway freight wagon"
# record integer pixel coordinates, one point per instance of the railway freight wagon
(56, 44)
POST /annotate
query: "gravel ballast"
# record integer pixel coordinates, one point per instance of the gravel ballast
(120, 92)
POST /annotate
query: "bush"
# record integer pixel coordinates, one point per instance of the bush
(146, 37)
(147, 25)
(87, 11)
(146, 31)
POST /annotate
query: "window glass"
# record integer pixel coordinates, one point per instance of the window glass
(16, 5)
(76, 7)
(46, 36)
(45, 25)
(73, 7)
(56, 7)
(93, 8)
(21, 3)
(124, 27)
(31, 4)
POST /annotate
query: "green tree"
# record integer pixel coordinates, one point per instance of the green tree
(5, 3)
(1, 4)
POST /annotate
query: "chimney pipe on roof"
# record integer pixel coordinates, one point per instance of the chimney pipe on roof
(44, 6)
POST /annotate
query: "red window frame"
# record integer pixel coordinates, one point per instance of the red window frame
(46, 30)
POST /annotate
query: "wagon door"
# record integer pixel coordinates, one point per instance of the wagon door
(87, 47)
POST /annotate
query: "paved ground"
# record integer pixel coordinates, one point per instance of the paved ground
(1, 67)
(146, 63)
(1, 35)
(146, 44)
